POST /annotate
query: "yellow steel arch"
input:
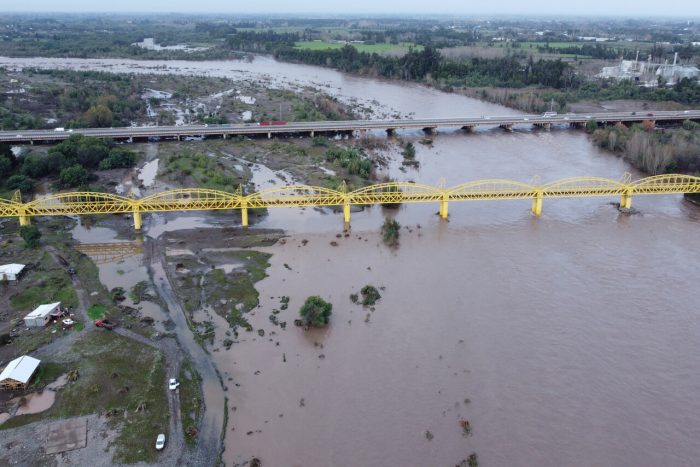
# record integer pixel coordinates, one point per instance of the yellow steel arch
(662, 183)
(583, 186)
(81, 202)
(395, 192)
(295, 195)
(491, 189)
(189, 199)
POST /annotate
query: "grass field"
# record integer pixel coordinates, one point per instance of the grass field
(369, 48)
(116, 375)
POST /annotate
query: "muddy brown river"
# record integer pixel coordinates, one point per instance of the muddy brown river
(565, 340)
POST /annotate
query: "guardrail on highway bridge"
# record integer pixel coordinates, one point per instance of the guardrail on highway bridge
(311, 128)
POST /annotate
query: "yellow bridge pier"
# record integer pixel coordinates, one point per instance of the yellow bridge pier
(346, 212)
(24, 220)
(537, 203)
(138, 221)
(244, 214)
(626, 199)
(443, 205)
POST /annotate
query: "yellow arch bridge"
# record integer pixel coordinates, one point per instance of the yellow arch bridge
(198, 199)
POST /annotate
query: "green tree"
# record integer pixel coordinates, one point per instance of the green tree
(31, 235)
(316, 311)
(5, 167)
(20, 182)
(73, 176)
(99, 116)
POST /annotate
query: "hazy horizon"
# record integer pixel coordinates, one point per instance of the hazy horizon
(592, 8)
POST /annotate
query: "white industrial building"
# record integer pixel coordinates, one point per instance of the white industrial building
(18, 373)
(648, 73)
(11, 272)
(42, 315)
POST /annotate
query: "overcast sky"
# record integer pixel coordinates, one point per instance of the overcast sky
(678, 8)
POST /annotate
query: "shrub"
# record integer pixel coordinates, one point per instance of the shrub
(74, 176)
(316, 311)
(370, 295)
(20, 182)
(390, 232)
(31, 235)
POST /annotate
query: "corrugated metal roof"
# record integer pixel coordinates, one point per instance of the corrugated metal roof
(42, 311)
(20, 369)
(12, 268)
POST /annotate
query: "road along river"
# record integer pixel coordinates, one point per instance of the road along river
(565, 340)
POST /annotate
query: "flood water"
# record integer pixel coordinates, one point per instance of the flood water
(565, 340)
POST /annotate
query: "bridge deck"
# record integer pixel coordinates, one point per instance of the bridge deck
(251, 129)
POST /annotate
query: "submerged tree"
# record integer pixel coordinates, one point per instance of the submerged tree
(316, 311)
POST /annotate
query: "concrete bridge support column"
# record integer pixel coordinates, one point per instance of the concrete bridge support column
(312, 133)
(508, 128)
(138, 222)
(269, 135)
(547, 126)
(537, 204)
(444, 211)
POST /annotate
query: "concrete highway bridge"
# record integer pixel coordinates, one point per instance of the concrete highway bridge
(269, 129)
(198, 199)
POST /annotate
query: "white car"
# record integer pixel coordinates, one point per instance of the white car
(173, 384)
(160, 442)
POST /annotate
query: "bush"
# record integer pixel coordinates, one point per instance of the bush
(118, 159)
(31, 235)
(591, 126)
(390, 232)
(370, 295)
(20, 182)
(316, 312)
(73, 176)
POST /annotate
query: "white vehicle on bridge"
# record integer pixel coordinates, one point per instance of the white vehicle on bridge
(549, 114)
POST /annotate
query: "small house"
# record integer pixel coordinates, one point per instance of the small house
(11, 272)
(42, 315)
(18, 373)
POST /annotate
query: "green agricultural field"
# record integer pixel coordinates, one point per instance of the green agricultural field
(369, 48)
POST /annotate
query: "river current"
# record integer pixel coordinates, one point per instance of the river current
(565, 340)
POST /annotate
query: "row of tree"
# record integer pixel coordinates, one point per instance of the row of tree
(70, 163)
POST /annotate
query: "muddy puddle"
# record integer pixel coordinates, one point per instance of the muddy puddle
(121, 264)
(39, 401)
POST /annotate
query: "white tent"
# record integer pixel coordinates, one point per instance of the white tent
(11, 271)
(18, 372)
(41, 316)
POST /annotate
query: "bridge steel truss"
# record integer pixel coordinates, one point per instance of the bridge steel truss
(199, 199)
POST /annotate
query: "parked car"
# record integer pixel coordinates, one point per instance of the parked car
(67, 323)
(105, 323)
(173, 384)
(160, 442)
